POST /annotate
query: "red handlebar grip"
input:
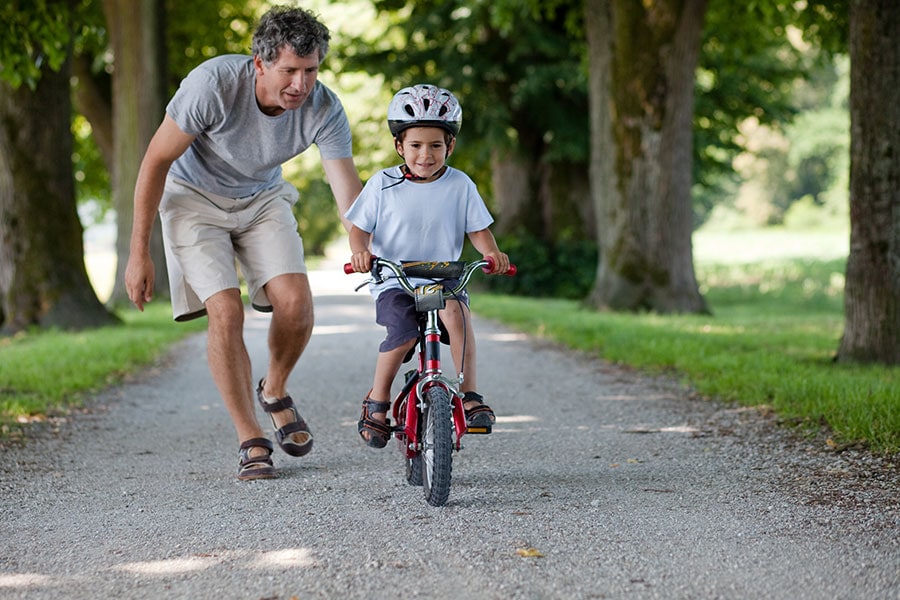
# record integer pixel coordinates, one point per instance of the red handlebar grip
(348, 268)
(490, 267)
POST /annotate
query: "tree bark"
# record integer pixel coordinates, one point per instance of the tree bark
(139, 100)
(641, 84)
(872, 290)
(549, 200)
(43, 279)
(95, 105)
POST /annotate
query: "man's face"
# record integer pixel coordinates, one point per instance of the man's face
(286, 83)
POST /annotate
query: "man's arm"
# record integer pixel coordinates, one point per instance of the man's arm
(167, 144)
(345, 184)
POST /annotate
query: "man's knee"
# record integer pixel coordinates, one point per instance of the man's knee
(225, 306)
(225, 313)
(291, 298)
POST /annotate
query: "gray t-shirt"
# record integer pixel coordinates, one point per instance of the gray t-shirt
(239, 150)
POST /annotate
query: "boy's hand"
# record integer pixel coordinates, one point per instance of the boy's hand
(501, 262)
(361, 261)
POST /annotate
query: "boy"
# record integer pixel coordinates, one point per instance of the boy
(421, 210)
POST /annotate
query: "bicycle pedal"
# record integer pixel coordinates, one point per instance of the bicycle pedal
(479, 430)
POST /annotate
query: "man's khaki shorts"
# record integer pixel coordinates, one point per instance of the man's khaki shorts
(207, 236)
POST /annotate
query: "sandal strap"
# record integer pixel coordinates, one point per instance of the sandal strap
(375, 406)
(257, 443)
(271, 406)
(248, 461)
(295, 426)
(278, 405)
(377, 426)
(255, 465)
(473, 397)
(366, 422)
(481, 408)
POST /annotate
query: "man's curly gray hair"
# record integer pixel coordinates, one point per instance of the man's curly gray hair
(296, 28)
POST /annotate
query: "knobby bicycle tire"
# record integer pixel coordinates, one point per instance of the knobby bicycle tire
(437, 446)
(414, 470)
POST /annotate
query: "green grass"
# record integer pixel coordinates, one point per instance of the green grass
(775, 328)
(47, 372)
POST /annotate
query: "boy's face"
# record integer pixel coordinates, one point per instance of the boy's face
(286, 83)
(425, 151)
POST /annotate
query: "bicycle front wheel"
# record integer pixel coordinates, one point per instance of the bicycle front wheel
(437, 446)
(414, 470)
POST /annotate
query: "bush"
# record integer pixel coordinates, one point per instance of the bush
(564, 269)
(317, 216)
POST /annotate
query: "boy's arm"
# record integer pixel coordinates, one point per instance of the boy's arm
(360, 258)
(483, 241)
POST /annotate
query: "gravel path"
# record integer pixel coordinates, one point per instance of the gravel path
(598, 482)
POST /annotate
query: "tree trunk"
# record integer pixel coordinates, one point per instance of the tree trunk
(43, 279)
(641, 83)
(92, 100)
(550, 201)
(872, 291)
(139, 99)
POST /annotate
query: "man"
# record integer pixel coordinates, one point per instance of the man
(213, 172)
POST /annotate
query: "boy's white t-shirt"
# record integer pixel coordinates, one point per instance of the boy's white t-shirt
(412, 221)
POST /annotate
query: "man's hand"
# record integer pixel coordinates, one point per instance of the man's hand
(139, 279)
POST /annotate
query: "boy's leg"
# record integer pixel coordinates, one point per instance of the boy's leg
(377, 404)
(394, 310)
(386, 368)
(458, 321)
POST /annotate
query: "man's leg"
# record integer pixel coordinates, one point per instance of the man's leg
(229, 362)
(289, 333)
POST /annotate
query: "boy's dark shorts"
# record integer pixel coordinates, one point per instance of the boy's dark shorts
(396, 311)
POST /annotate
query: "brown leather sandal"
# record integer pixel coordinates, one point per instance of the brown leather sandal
(283, 435)
(255, 467)
(480, 418)
(379, 433)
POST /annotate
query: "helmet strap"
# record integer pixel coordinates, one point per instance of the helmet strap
(407, 174)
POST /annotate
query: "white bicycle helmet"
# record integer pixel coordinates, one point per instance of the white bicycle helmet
(424, 105)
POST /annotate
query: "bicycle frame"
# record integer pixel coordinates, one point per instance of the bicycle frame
(429, 372)
(428, 410)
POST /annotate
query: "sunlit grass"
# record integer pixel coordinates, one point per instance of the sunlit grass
(771, 340)
(45, 372)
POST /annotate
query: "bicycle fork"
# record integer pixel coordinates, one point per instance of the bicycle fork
(417, 382)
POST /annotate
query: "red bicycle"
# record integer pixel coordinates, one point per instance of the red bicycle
(428, 410)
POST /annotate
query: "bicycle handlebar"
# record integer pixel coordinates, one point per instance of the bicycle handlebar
(486, 265)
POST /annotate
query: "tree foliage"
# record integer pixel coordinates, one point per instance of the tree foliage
(517, 68)
(37, 34)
